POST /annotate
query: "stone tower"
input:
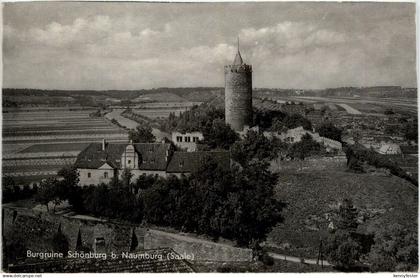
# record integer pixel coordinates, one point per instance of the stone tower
(238, 94)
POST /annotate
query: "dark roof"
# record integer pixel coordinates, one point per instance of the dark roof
(187, 162)
(142, 264)
(153, 155)
(93, 157)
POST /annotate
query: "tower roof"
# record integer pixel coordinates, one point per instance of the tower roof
(238, 58)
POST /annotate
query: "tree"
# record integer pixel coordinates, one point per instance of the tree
(47, 192)
(218, 134)
(347, 216)
(328, 130)
(306, 147)
(395, 249)
(255, 145)
(296, 120)
(355, 165)
(70, 176)
(344, 246)
(126, 178)
(343, 250)
(410, 131)
(142, 134)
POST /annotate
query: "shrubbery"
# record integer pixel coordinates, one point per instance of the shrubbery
(328, 130)
(231, 203)
(12, 192)
(358, 152)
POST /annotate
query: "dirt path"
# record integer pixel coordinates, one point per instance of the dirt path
(296, 259)
(130, 124)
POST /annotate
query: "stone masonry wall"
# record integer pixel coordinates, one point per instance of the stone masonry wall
(238, 97)
(36, 230)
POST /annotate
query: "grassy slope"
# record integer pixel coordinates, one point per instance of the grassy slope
(382, 199)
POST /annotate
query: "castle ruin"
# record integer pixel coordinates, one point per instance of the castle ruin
(238, 94)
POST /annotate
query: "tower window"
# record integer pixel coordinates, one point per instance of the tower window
(129, 162)
(88, 175)
(179, 138)
(106, 175)
(195, 139)
(187, 139)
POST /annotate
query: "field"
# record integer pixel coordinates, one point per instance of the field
(313, 195)
(38, 142)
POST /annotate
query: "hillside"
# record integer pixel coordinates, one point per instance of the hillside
(312, 196)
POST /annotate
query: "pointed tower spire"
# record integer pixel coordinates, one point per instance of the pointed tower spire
(238, 43)
(238, 58)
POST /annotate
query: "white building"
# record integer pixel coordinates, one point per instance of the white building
(187, 141)
(295, 135)
(99, 163)
(390, 148)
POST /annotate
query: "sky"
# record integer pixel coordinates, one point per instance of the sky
(128, 46)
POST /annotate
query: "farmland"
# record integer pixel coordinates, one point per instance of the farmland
(38, 142)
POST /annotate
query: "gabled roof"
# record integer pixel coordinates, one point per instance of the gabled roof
(153, 155)
(93, 157)
(187, 162)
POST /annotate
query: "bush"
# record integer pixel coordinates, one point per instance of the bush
(328, 130)
(306, 147)
(142, 134)
(232, 203)
(267, 260)
(395, 249)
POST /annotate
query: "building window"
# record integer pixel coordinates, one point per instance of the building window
(89, 175)
(129, 162)
(179, 138)
(106, 175)
(187, 139)
(181, 164)
(195, 139)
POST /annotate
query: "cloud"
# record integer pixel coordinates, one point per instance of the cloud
(126, 52)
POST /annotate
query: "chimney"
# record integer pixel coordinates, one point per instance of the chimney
(103, 144)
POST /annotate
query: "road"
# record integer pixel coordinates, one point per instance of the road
(295, 259)
(130, 124)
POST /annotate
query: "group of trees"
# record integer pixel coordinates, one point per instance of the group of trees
(195, 119)
(357, 155)
(392, 248)
(142, 134)
(208, 120)
(234, 203)
(329, 130)
(13, 192)
(231, 203)
(279, 121)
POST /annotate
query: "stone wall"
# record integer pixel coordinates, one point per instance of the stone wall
(194, 248)
(238, 96)
(309, 163)
(36, 230)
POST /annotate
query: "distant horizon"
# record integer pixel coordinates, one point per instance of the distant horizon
(207, 87)
(124, 46)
